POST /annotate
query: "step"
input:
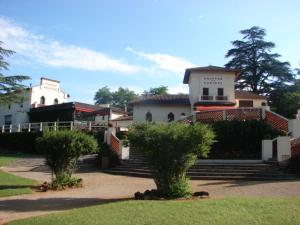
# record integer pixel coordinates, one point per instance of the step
(205, 173)
(209, 177)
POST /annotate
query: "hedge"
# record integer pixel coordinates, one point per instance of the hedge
(26, 141)
(23, 142)
(240, 139)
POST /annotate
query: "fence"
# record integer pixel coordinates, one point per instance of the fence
(229, 114)
(295, 146)
(276, 121)
(42, 126)
(115, 144)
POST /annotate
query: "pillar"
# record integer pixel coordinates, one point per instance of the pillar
(267, 149)
(294, 128)
(283, 148)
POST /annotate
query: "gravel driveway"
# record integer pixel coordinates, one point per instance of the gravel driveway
(100, 188)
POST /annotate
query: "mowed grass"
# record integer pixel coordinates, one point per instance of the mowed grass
(11, 184)
(6, 158)
(235, 211)
(14, 185)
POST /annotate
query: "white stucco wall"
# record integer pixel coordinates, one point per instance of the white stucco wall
(15, 109)
(47, 88)
(104, 119)
(50, 90)
(122, 123)
(159, 112)
(213, 81)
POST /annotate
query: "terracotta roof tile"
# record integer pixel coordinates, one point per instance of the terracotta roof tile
(248, 95)
(163, 100)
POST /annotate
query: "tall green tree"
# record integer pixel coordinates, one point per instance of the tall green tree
(119, 98)
(261, 70)
(103, 96)
(286, 100)
(10, 86)
(161, 90)
(122, 97)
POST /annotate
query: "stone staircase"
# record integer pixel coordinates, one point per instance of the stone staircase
(213, 171)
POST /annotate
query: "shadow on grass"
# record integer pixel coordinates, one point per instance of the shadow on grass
(51, 204)
(239, 183)
(5, 187)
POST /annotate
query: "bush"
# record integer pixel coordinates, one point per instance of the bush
(240, 139)
(62, 150)
(23, 142)
(294, 164)
(170, 150)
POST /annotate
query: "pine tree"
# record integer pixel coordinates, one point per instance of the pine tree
(261, 70)
(10, 86)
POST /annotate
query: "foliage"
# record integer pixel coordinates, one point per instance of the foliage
(220, 211)
(261, 71)
(62, 150)
(10, 86)
(23, 141)
(240, 139)
(122, 97)
(294, 164)
(14, 185)
(170, 150)
(161, 90)
(119, 98)
(286, 100)
(103, 96)
(65, 181)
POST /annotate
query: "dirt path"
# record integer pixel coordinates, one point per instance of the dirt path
(101, 188)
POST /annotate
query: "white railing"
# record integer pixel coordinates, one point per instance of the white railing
(61, 125)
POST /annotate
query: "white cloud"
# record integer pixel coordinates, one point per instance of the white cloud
(164, 61)
(54, 53)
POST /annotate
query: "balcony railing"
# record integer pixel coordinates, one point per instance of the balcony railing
(211, 98)
(207, 98)
(221, 98)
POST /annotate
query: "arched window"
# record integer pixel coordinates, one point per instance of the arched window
(263, 104)
(149, 117)
(55, 101)
(171, 117)
(42, 100)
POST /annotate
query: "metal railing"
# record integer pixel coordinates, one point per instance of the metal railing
(221, 98)
(207, 98)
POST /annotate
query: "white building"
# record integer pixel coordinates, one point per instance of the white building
(210, 88)
(48, 92)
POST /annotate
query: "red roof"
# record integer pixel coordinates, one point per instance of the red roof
(248, 95)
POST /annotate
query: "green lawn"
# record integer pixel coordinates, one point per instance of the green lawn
(9, 183)
(14, 185)
(6, 157)
(235, 211)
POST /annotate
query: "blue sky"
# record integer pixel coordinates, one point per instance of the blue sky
(136, 44)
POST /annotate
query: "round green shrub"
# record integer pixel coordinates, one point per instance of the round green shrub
(62, 150)
(170, 150)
